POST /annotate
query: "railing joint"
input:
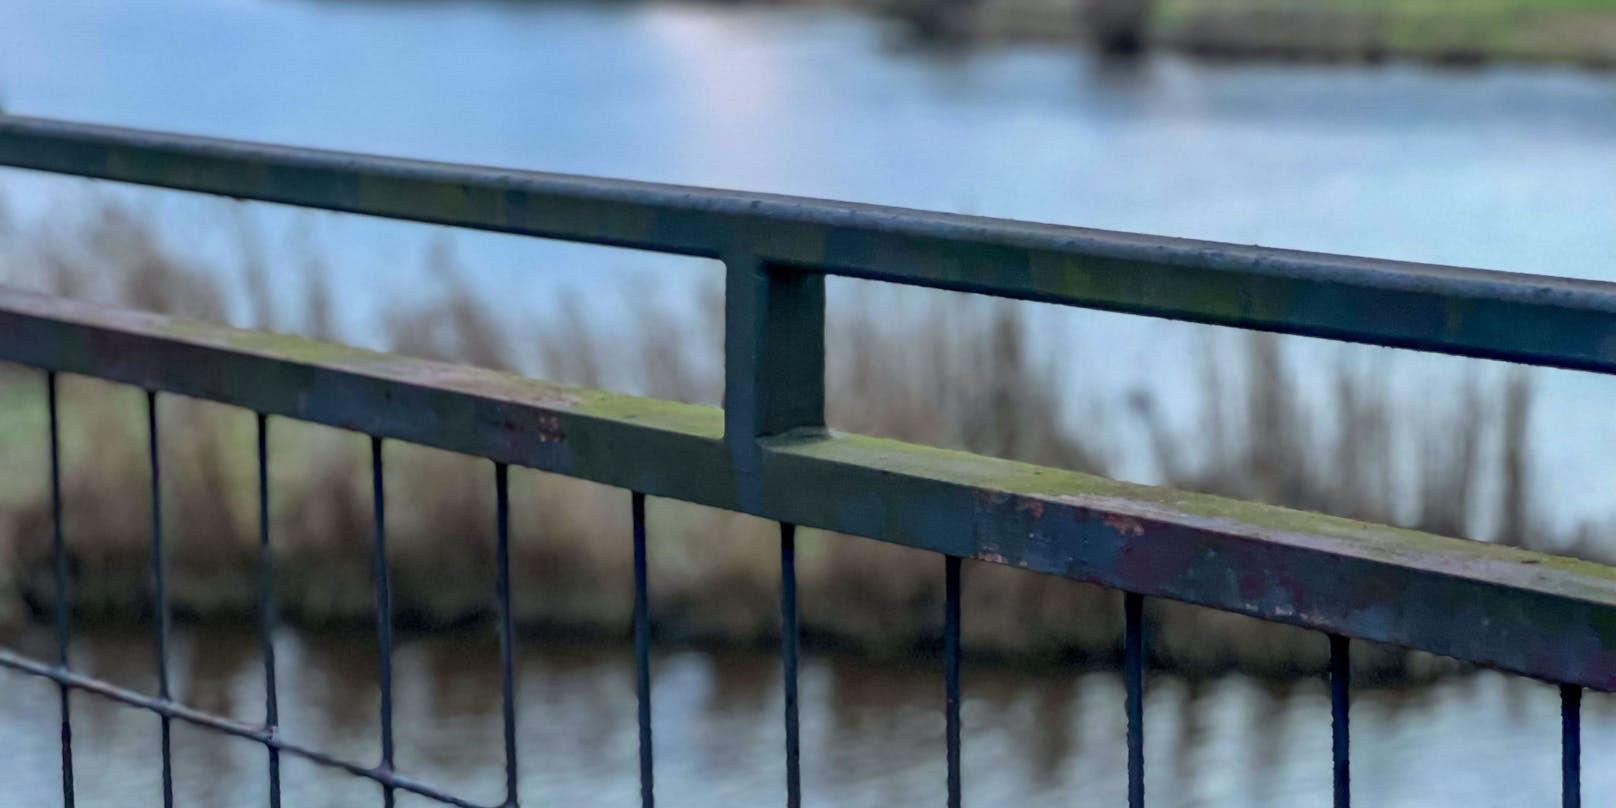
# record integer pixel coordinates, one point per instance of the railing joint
(774, 357)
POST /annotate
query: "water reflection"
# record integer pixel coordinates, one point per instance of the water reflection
(872, 731)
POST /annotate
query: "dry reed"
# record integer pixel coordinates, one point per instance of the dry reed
(966, 376)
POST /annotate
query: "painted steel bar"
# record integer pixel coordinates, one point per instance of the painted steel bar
(384, 610)
(642, 652)
(159, 565)
(1570, 746)
(1340, 728)
(774, 354)
(1133, 679)
(507, 634)
(59, 572)
(1530, 613)
(201, 718)
(951, 673)
(266, 611)
(1524, 318)
(774, 362)
(789, 636)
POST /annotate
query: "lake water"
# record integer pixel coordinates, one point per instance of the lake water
(872, 733)
(1505, 168)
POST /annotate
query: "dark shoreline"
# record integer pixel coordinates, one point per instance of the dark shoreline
(1325, 31)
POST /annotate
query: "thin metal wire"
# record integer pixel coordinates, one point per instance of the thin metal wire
(59, 568)
(189, 715)
(1133, 605)
(507, 640)
(951, 672)
(1340, 736)
(642, 652)
(384, 613)
(266, 611)
(1570, 746)
(788, 657)
(159, 564)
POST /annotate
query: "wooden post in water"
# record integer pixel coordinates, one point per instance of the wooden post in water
(1117, 27)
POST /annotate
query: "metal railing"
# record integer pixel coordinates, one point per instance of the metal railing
(767, 453)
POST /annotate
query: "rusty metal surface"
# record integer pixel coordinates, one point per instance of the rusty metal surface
(1526, 318)
(1531, 613)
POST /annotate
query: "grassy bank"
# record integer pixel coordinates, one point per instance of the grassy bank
(1581, 32)
(1578, 32)
(965, 376)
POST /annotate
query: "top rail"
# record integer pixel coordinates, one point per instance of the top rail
(1533, 319)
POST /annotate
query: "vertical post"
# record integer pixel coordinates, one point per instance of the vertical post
(1340, 694)
(1570, 746)
(951, 673)
(266, 610)
(1133, 605)
(59, 567)
(159, 563)
(774, 355)
(788, 658)
(642, 652)
(507, 639)
(384, 613)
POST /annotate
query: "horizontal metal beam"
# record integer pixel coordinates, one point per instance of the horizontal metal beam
(1525, 318)
(1526, 612)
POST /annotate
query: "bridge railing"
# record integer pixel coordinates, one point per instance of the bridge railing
(768, 453)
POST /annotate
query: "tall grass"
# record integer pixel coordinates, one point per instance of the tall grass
(968, 375)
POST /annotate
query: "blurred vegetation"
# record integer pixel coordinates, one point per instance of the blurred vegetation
(964, 376)
(1581, 32)
(1572, 31)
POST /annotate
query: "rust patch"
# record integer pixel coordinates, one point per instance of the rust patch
(549, 429)
(1126, 525)
(1030, 505)
(988, 496)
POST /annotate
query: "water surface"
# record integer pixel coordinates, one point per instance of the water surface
(872, 733)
